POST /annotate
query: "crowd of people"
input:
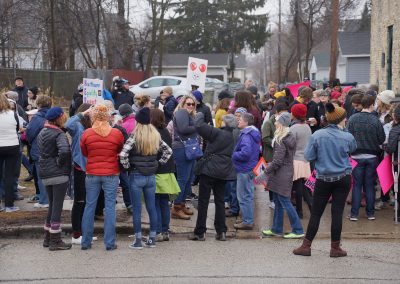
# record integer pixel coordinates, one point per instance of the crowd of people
(156, 151)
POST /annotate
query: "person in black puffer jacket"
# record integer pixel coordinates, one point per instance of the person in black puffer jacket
(215, 169)
(55, 168)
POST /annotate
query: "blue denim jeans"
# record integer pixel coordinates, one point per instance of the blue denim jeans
(231, 196)
(281, 203)
(94, 184)
(124, 182)
(245, 196)
(163, 213)
(184, 174)
(146, 185)
(43, 199)
(364, 175)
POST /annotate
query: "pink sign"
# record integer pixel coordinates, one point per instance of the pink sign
(310, 182)
(385, 174)
(294, 89)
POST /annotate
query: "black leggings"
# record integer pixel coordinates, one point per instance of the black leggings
(79, 202)
(8, 159)
(56, 194)
(301, 192)
(323, 191)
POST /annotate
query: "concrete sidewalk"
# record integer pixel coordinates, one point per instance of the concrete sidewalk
(382, 228)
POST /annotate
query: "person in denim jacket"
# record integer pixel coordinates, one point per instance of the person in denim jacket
(329, 148)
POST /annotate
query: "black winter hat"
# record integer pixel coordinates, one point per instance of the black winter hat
(224, 94)
(253, 90)
(143, 116)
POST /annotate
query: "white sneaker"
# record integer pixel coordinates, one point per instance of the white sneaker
(20, 187)
(12, 209)
(272, 205)
(79, 240)
(227, 205)
(38, 205)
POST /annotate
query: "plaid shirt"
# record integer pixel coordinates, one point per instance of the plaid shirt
(124, 155)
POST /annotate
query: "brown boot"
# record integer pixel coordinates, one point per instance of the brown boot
(336, 251)
(242, 226)
(177, 213)
(304, 249)
(56, 243)
(46, 240)
(186, 210)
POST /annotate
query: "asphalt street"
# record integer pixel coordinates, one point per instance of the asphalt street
(183, 261)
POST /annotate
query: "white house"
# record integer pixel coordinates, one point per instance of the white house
(320, 66)
(218, 65)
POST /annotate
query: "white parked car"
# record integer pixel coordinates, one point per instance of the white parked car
(154, 85)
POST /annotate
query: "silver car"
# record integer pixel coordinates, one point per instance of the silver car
(154, 85)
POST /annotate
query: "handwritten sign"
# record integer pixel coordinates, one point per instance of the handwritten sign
(92, 91)
(196, 73)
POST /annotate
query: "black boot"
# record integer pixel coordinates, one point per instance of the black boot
(46, 240)
(56, 243)
(221, 237)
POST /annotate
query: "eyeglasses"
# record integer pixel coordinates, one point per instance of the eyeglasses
(190, 104)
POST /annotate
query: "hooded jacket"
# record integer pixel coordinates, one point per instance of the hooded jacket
(123, 97)
(22, 96)
(247, 151)
(280, 170)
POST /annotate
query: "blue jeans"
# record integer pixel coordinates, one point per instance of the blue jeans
(231, 196)
(281, 203)
(364, 175)
(184, 173)
(146, 185)
(94, 184)
(43, 199)
(124, 182)
(163, 213)
(245, 195)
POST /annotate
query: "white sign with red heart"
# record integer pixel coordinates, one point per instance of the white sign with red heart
(196, 73)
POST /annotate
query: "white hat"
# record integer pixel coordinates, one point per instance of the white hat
(386, 96)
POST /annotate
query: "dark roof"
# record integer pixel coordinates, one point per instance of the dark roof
(214, 59)
(354, 43)
(351, 25)
(322, 59)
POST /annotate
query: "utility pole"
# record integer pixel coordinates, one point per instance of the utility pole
(334, 33)
(270, 56)
(297, 27)
(279, 43)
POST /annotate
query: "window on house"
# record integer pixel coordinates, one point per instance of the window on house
(313, 76)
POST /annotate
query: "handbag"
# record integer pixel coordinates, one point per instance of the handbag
(201, 163)
(192, 149)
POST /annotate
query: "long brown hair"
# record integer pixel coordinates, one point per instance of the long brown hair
(244, 99)
(157, 118)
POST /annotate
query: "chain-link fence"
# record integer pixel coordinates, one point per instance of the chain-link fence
(61, 84)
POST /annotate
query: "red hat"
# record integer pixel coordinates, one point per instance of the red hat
(299, 111)
(335, 95)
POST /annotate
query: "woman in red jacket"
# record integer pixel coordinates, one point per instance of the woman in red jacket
(101, 145)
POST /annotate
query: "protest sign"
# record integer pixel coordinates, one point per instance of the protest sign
(385, 175)
(92, 91)
(196, 73)
(259, 169)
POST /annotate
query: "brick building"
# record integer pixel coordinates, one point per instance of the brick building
(385, 44)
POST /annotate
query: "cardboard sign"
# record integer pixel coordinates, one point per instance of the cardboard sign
(260, 167)
(93, 91)
(196, 73)
(294, 89)
(385, 174)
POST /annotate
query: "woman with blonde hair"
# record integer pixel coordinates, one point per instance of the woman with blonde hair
(221, 110)
(184, 130)
(139, 155)
(9, 151)
(141, 101)
(280, 180)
